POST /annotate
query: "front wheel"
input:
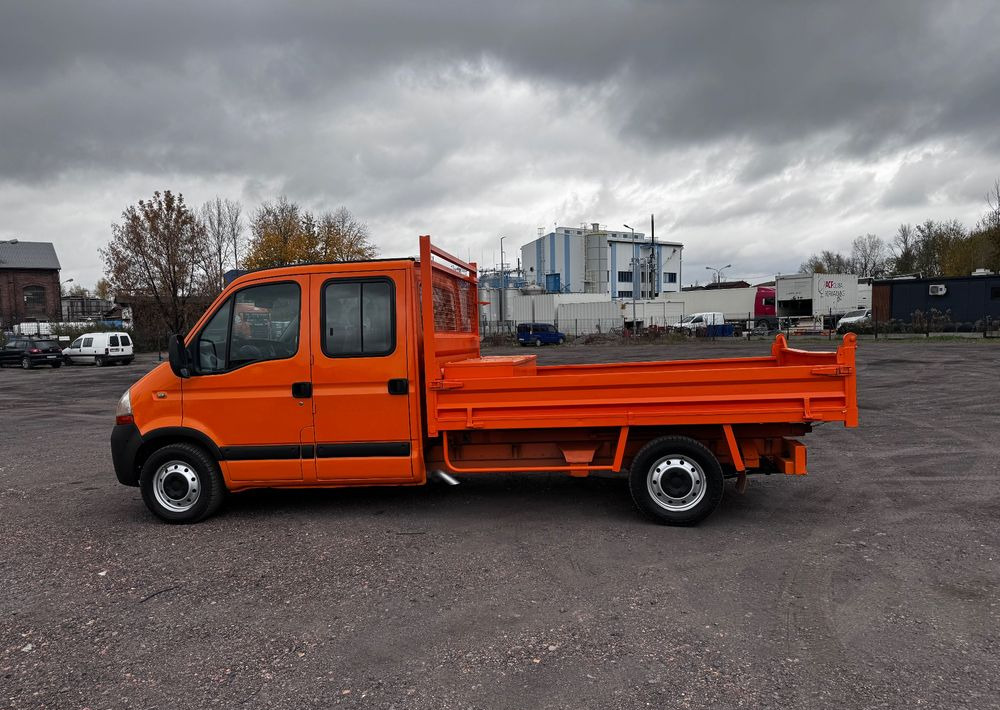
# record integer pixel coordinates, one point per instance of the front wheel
(26, 363)
(538, 343)
(562, 340)
(181, 483)
(99, 361)
(676, 480)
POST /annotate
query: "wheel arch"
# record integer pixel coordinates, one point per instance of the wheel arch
(157, 438)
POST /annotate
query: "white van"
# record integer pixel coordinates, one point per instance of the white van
(100, 349)
(695, 321)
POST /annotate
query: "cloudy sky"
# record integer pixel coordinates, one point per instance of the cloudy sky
(757, 132)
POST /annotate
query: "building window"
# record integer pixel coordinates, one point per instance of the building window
(624, 294)
(670, 277)
(625, 276)
(34, 299)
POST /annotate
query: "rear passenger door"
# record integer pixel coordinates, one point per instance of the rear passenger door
(362, 389)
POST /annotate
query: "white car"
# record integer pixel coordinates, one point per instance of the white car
(694, 321)
(100, 349)
(860, 317)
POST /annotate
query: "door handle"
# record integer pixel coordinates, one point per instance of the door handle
(399, 385)
(302, 390)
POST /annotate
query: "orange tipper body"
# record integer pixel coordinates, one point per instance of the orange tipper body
(369, 373)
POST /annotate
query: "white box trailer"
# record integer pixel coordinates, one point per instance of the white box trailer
(816, 296)
(736, 303)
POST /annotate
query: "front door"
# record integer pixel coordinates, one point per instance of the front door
(249, 389)
(361, 386)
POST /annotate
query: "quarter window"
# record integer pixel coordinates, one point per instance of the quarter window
(358, 318)
(88, 342)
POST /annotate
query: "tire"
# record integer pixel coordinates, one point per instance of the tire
(676, 480)
(180, 483)
(562, 340)
(67, 361)
(26, 363)
(762, 324)
(538, 343)
(98, 361)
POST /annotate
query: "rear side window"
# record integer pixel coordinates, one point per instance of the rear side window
(113, 340)
(359, 318)
(88, 342)
(125, 340)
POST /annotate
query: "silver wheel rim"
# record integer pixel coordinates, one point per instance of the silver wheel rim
(676, 483)
(176, 486)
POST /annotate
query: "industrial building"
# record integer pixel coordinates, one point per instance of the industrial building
(593, 259)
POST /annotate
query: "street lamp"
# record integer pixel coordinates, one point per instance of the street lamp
(501, 278)
(718, 271)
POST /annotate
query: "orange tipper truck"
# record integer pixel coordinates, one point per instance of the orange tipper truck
(369, 373)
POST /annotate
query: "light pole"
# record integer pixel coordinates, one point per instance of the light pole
(634, 263)
(501, 278)
(718, 271)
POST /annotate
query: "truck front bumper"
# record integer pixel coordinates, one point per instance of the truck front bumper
(125, 443)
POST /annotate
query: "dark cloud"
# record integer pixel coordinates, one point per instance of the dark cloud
(479, 115)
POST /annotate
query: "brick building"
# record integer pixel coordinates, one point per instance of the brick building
(29, 282)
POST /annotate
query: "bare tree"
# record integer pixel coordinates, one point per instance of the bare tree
(827, 262)
(904, 248)
(868, 256)
(223, 224)
(156, 253)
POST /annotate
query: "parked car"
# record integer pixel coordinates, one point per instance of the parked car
(100, 349)
(539, 334)
(696, 321)
(28, 352)
(858, 318)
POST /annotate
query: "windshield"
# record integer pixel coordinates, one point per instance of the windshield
(687, 319)
(43, 344)
(855, 314)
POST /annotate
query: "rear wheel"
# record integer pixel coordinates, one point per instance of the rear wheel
(562, 340)
(99, 361)
(538, 343)
(181, 483)
(26, 362)
(676, 480)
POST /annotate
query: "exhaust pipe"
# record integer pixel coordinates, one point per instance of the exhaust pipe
(444, 477)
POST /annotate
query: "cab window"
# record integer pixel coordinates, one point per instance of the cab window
(76, 343)
(256, 324)
(358, 318)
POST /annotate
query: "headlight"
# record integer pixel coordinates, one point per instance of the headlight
(123, 412)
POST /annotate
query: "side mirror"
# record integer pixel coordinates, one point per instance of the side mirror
(178, 356)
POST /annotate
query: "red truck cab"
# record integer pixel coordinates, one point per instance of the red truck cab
(369, 373)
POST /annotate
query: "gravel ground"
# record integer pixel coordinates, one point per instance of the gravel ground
(872, 582)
